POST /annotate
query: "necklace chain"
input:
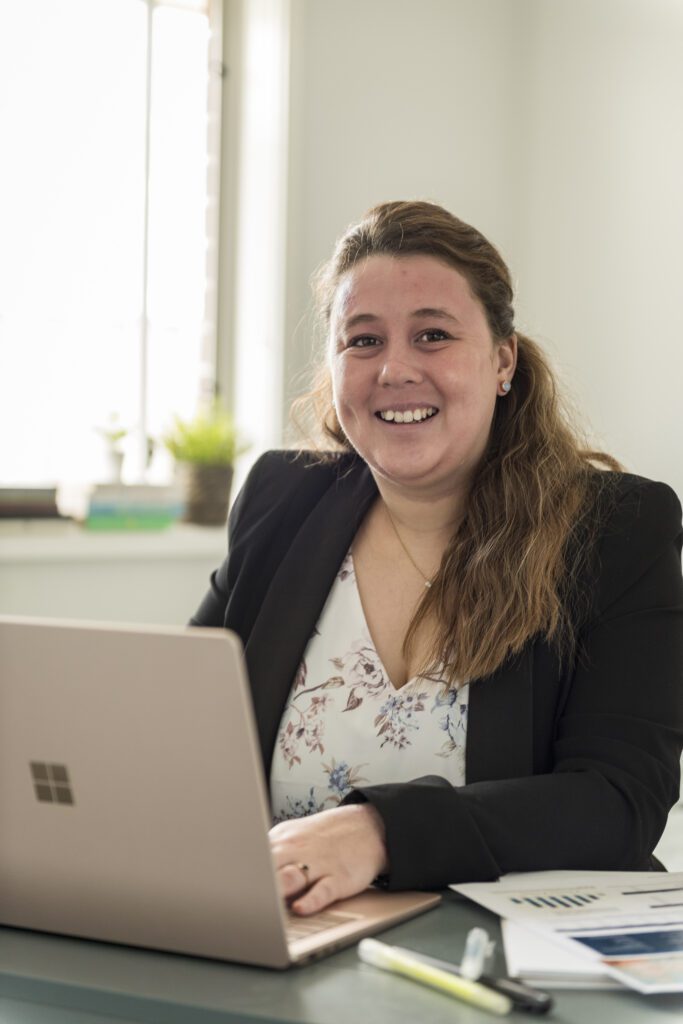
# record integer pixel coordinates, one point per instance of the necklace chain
(427, 582)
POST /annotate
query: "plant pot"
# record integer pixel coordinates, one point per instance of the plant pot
(114, 465)
(207, 493)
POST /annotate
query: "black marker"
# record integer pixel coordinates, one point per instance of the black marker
(523, 997)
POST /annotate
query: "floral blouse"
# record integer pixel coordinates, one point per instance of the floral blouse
(346, 725)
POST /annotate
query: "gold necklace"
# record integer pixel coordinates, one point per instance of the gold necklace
(412, 561)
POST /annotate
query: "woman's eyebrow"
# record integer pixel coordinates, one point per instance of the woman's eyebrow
(360, 318)
(432, 311)
(441, 314)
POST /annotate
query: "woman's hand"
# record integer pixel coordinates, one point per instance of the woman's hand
(328, 856)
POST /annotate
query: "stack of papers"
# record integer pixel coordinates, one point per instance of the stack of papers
(536, 961)
(627, 926)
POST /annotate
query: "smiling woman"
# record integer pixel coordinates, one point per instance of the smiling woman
(464, 630)
(428, 347)
(500, 443)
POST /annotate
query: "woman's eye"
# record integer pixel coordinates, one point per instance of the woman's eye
(435, 335)
(362, 341)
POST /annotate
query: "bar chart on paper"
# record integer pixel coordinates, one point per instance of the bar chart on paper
(567, 901)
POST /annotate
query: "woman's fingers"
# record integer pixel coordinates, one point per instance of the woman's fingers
(293, 879)
(328, 856)
(319, 896)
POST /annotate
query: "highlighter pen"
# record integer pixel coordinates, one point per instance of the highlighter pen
(524, 997)
(403, 962)
(477, 951)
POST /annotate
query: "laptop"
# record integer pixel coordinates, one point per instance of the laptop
(133, 804)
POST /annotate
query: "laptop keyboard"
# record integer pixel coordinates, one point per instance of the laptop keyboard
(303, 927)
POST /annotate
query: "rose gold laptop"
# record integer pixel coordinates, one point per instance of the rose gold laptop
(133, 805)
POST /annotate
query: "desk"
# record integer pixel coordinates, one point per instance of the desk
(50, 980)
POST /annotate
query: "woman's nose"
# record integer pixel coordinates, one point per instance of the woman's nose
(399, 368)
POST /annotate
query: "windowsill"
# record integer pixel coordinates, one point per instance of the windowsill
(36, 541)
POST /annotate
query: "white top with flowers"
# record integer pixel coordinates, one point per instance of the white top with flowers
(345, 724)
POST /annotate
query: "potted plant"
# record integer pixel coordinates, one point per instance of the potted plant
(205, 449)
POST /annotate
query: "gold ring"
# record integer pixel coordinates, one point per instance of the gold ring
(303, 868)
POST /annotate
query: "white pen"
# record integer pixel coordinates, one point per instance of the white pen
(403, 962)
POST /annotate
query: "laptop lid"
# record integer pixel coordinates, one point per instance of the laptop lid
(133, 807)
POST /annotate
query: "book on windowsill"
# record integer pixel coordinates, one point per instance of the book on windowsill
(29, 503)
(134, 507)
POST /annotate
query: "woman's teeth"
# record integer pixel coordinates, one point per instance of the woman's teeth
(408, 416)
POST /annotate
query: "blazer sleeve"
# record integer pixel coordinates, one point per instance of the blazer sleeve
(616, 743)
(254, 497)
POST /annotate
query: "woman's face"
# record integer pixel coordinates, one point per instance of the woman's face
(415, 371)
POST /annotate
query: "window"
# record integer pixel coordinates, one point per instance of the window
(109, 114)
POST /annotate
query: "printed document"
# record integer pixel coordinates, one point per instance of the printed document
(629, 923)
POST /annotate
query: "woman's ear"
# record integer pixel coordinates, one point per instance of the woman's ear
(507, 358)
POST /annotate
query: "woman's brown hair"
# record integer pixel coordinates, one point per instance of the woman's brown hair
(510, 571)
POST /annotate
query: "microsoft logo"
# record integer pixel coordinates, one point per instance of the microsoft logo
(51, 783)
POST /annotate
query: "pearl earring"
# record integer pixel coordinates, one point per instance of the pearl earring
(506, 386)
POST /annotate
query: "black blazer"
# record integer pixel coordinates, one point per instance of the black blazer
(564, 769)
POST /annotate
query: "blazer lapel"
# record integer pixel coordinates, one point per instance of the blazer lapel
(500, 723)
(296, 596)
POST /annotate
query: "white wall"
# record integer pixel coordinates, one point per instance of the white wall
(599, 254)
(60, 570)
(393, 99)
(555, 127)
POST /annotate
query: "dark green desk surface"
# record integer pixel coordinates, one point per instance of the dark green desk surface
(51, 980)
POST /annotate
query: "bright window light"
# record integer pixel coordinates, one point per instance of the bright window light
(103, 268)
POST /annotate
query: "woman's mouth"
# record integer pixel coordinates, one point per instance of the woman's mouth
(416, 415)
